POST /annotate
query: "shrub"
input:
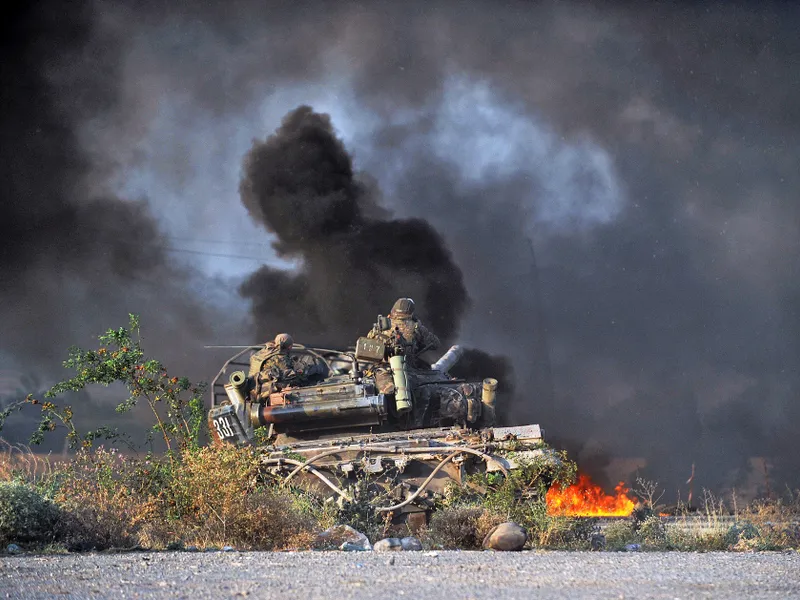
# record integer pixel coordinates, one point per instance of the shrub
(106, 500)
(208, 497)
(26, 516)
(776, 521)
(619, 534)
(652, 531)
(217, 498)
(460, 528)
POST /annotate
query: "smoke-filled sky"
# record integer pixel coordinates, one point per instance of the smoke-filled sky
(608, 197)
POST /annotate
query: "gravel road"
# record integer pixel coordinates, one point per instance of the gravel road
(451, 575)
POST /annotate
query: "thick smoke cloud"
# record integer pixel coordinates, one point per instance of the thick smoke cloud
(648, 155)
(355, 262)
(74, 261)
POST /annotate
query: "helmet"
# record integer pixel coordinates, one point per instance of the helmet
(403, 307)
(284, 341)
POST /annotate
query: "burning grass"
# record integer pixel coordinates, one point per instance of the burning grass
(587, 499)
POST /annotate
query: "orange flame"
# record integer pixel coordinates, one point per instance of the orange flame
(587, 499)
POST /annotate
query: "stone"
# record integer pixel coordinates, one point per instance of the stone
(334, 537)
(191, 549)
(411, 544)
(387, 545)
(632, 548)
(506, 537)
(348, 547)
(13, 549)
(227, 548)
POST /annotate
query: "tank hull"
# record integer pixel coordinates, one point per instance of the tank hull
(328, 436)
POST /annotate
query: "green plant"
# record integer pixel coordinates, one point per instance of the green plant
(652, 531)
(619, 534)
(176, 403)
(26, 516)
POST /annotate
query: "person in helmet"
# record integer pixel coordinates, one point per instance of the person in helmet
(275, 365)
(406, 335)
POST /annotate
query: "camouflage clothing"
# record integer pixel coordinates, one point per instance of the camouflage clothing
(277, 366)
(407, 336)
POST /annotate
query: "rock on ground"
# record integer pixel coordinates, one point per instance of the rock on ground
(411, 544)
(337, 536)
(387, 545)
(506, 537)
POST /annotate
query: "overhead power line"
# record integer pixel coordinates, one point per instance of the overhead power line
(216, 254)
(229, 242)
(262, 259)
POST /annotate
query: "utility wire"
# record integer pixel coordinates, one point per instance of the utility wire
(231, 242)
(263, 259)
(216, 254)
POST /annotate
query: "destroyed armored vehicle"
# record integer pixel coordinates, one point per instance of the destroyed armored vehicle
(425, 429)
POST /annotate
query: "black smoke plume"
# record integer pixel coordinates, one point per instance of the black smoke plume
(354, 262)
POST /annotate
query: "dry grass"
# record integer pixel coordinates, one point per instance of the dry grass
(217, 499)
(19, 463)
(218, 496)
(460, 528)
(214, 496)
(776, 523)
(106, 499)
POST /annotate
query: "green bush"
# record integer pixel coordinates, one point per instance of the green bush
(619, 534)
(26, 516)
(652, 531)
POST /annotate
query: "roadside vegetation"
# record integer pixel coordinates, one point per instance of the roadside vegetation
(107, 496)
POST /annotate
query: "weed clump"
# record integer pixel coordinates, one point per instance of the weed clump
(212, 496)
(460, 527)
(26, 516)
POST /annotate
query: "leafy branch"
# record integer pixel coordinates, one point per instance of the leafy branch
(175, 402)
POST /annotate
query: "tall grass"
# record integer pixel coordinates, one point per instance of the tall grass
(206, 497)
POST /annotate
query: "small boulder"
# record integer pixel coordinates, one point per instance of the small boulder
(411, 544)
(387, 545)
(334, 537)
(13, 549)
(508, 537)
(633, 548)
